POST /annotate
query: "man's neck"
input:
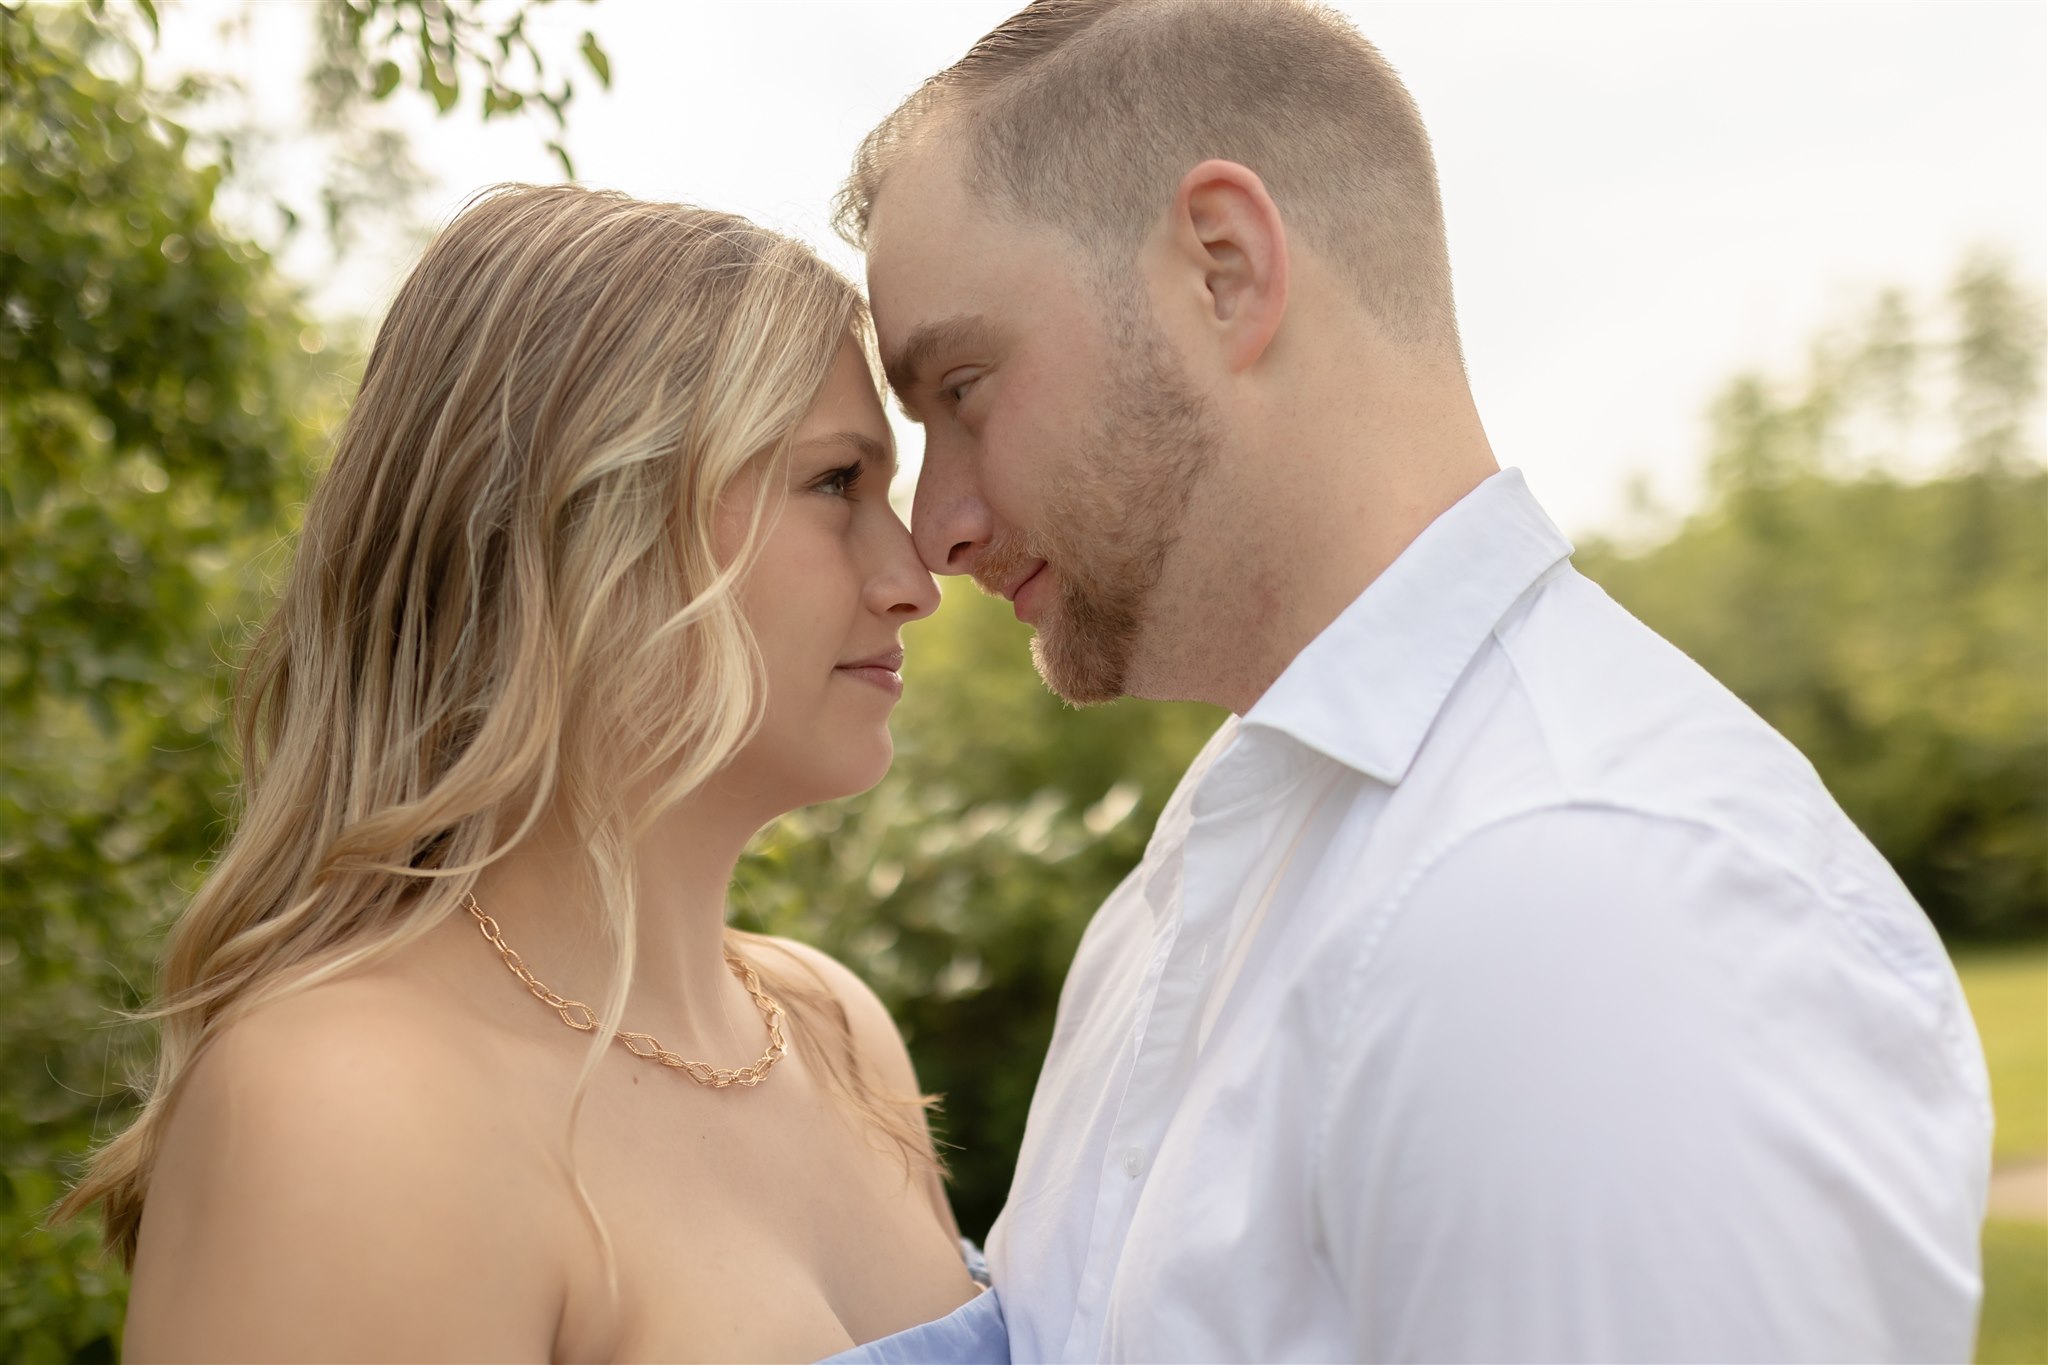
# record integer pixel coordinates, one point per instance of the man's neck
(1282, 544)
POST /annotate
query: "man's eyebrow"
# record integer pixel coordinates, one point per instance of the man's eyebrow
(904, 366)
(858, 443)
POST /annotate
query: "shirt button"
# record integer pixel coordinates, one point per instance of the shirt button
(1134, 1162)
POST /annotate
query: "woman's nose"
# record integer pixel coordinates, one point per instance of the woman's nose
(902, 589)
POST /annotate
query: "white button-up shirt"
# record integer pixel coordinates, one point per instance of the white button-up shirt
(1499, 987)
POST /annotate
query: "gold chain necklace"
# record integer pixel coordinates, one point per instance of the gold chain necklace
(580, 1016)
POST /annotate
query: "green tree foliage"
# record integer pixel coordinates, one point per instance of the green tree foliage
(162, 398)
(156, 409)
(372, 48)
(1895, 629)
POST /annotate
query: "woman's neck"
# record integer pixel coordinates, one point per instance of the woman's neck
(544, 896)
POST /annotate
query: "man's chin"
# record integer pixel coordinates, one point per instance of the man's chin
(1078, 676)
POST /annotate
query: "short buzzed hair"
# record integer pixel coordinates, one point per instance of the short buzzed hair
(1085, 114)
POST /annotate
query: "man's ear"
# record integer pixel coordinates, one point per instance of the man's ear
(1227, 227)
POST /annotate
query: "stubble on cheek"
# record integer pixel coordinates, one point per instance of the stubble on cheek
(1113, 525)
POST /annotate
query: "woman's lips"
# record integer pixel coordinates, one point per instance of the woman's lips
(888, 679)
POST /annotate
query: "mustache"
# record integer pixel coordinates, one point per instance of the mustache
(1000, 562)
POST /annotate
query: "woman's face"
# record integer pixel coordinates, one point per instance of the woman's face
(835, 580)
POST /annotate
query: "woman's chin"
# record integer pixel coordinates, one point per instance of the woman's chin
(845, 769)
(874, 765)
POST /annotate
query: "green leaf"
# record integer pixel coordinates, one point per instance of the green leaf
(149, 15)
(599, 62)
(443, 89)
(386, 81)
(443, 94)
(561, 154)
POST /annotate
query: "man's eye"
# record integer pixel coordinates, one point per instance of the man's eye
(957, 390)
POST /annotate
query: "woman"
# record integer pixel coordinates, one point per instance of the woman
(603, 578)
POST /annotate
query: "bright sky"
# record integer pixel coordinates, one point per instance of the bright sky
(1643, 199)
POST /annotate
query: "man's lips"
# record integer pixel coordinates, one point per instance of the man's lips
(1025, 600)
(1019, 579)
(1023, 592)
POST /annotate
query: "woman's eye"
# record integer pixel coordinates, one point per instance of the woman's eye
(840, 482)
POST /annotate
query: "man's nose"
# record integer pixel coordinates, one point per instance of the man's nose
(949, 521)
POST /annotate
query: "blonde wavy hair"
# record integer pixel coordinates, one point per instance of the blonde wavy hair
(505, 597)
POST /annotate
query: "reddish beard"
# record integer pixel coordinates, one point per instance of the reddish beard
(1087, 633)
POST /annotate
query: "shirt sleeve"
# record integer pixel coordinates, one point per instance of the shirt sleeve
(1611, 1088)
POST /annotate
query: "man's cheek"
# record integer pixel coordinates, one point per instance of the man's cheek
(1020, 459)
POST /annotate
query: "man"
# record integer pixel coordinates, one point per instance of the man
(1495, 986)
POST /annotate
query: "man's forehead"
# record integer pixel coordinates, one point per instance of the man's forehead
(929, 174)
(949, 271)
(926, 232)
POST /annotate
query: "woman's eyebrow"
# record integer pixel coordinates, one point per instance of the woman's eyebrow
(905, 366)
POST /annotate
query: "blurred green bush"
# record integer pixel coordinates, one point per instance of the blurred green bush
(157, 408)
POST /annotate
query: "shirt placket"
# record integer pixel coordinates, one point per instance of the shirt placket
(1221, 844)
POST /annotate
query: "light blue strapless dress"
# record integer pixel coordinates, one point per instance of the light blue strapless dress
(972, 1334)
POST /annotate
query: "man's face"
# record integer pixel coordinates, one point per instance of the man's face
(1062, 438)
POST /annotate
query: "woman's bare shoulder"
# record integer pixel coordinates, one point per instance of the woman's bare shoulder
(337, 1059)
(337, 1178)
(875, 1034)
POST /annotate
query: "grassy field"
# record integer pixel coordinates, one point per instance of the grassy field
(2009, 996)
(2014, 1329)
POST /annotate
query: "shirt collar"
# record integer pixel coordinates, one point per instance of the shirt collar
(1366, 690)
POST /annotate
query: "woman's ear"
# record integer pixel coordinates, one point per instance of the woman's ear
(1228, 229)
